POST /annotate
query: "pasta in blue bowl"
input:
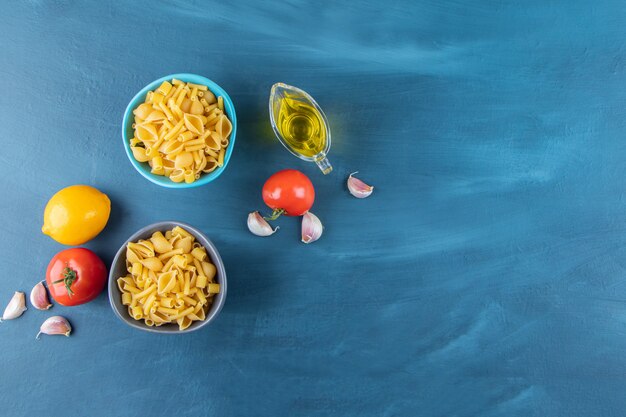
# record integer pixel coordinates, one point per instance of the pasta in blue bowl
(179, 131)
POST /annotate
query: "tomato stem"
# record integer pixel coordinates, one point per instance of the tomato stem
(69, 275)
(275, 214)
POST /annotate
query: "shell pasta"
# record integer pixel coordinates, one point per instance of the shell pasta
(181, 131)
(170, 279)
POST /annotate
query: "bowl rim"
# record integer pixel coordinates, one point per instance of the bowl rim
(113, 291)
(229, 109)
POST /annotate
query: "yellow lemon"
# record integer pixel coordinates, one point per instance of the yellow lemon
(76, 214)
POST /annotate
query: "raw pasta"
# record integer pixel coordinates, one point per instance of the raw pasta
(170, 279)
(181, 131)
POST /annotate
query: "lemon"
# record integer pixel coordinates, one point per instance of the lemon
(76, 214)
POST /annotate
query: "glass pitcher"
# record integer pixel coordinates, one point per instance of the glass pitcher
(300, 124)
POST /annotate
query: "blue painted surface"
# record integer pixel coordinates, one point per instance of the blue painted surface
(485, 276)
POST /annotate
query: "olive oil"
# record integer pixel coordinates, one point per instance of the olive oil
(300, 124)
(302, 127)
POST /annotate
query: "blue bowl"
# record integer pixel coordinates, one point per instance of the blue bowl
(129, 118)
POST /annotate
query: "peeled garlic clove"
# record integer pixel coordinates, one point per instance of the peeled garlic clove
(16, 307)
(358, 188)
(311, 227)
(55, 325)
(39, 297)
(258, 225)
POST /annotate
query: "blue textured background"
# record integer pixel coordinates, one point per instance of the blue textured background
(485, 276)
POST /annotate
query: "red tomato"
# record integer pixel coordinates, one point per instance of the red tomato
(289, 192)
(75, 276)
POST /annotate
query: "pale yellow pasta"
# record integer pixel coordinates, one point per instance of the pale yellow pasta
(170, 277)
(132, 258)
(166, 111)
(199, 312)
(167, 311)
(123, 281)
(178, 119)
(213, 118)
(148, 303)
(185, 106)
(137, 313)
(142, 279)
(190, 300)
(158, 318)
(220, 158)
(194, 148)
(146, 132)
(177, 230)
(167, 302)
(199, 253)
(182, 313)
(213, 144)
(209, 270)
(200, 87)
(181, 96)
(143, 248)
(166, 282)
(214, 288)
(196, 108)
(142, 111)
(139, 153)
(201, 298)
(164, 88)
(185, 136)
(160, 243)
(171, 252)
(223, 127)
(184, 322)
(153, 264)
(127, 298)
(151, 153)
(131, 288)
(173, 132)
(157, 163)
(198, 157)
(180, 260)
(178, 175)
(201, 281)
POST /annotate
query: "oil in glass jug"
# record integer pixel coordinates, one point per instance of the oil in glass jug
(300, 124)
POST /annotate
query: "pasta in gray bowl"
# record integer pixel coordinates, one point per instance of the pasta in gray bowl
(175, 282)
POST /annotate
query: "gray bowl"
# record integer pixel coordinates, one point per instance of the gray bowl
(118, 269)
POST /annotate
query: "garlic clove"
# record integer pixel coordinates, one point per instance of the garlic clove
(55, 325)
(358, 188)
(16, 307)
(39, 297)
(258, 226)
(311, 227)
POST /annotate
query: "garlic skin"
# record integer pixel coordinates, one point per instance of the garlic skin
(16, 307)
(312, 228)
(258, 226)
(55, 325)
(39, 297)
(358, 188)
